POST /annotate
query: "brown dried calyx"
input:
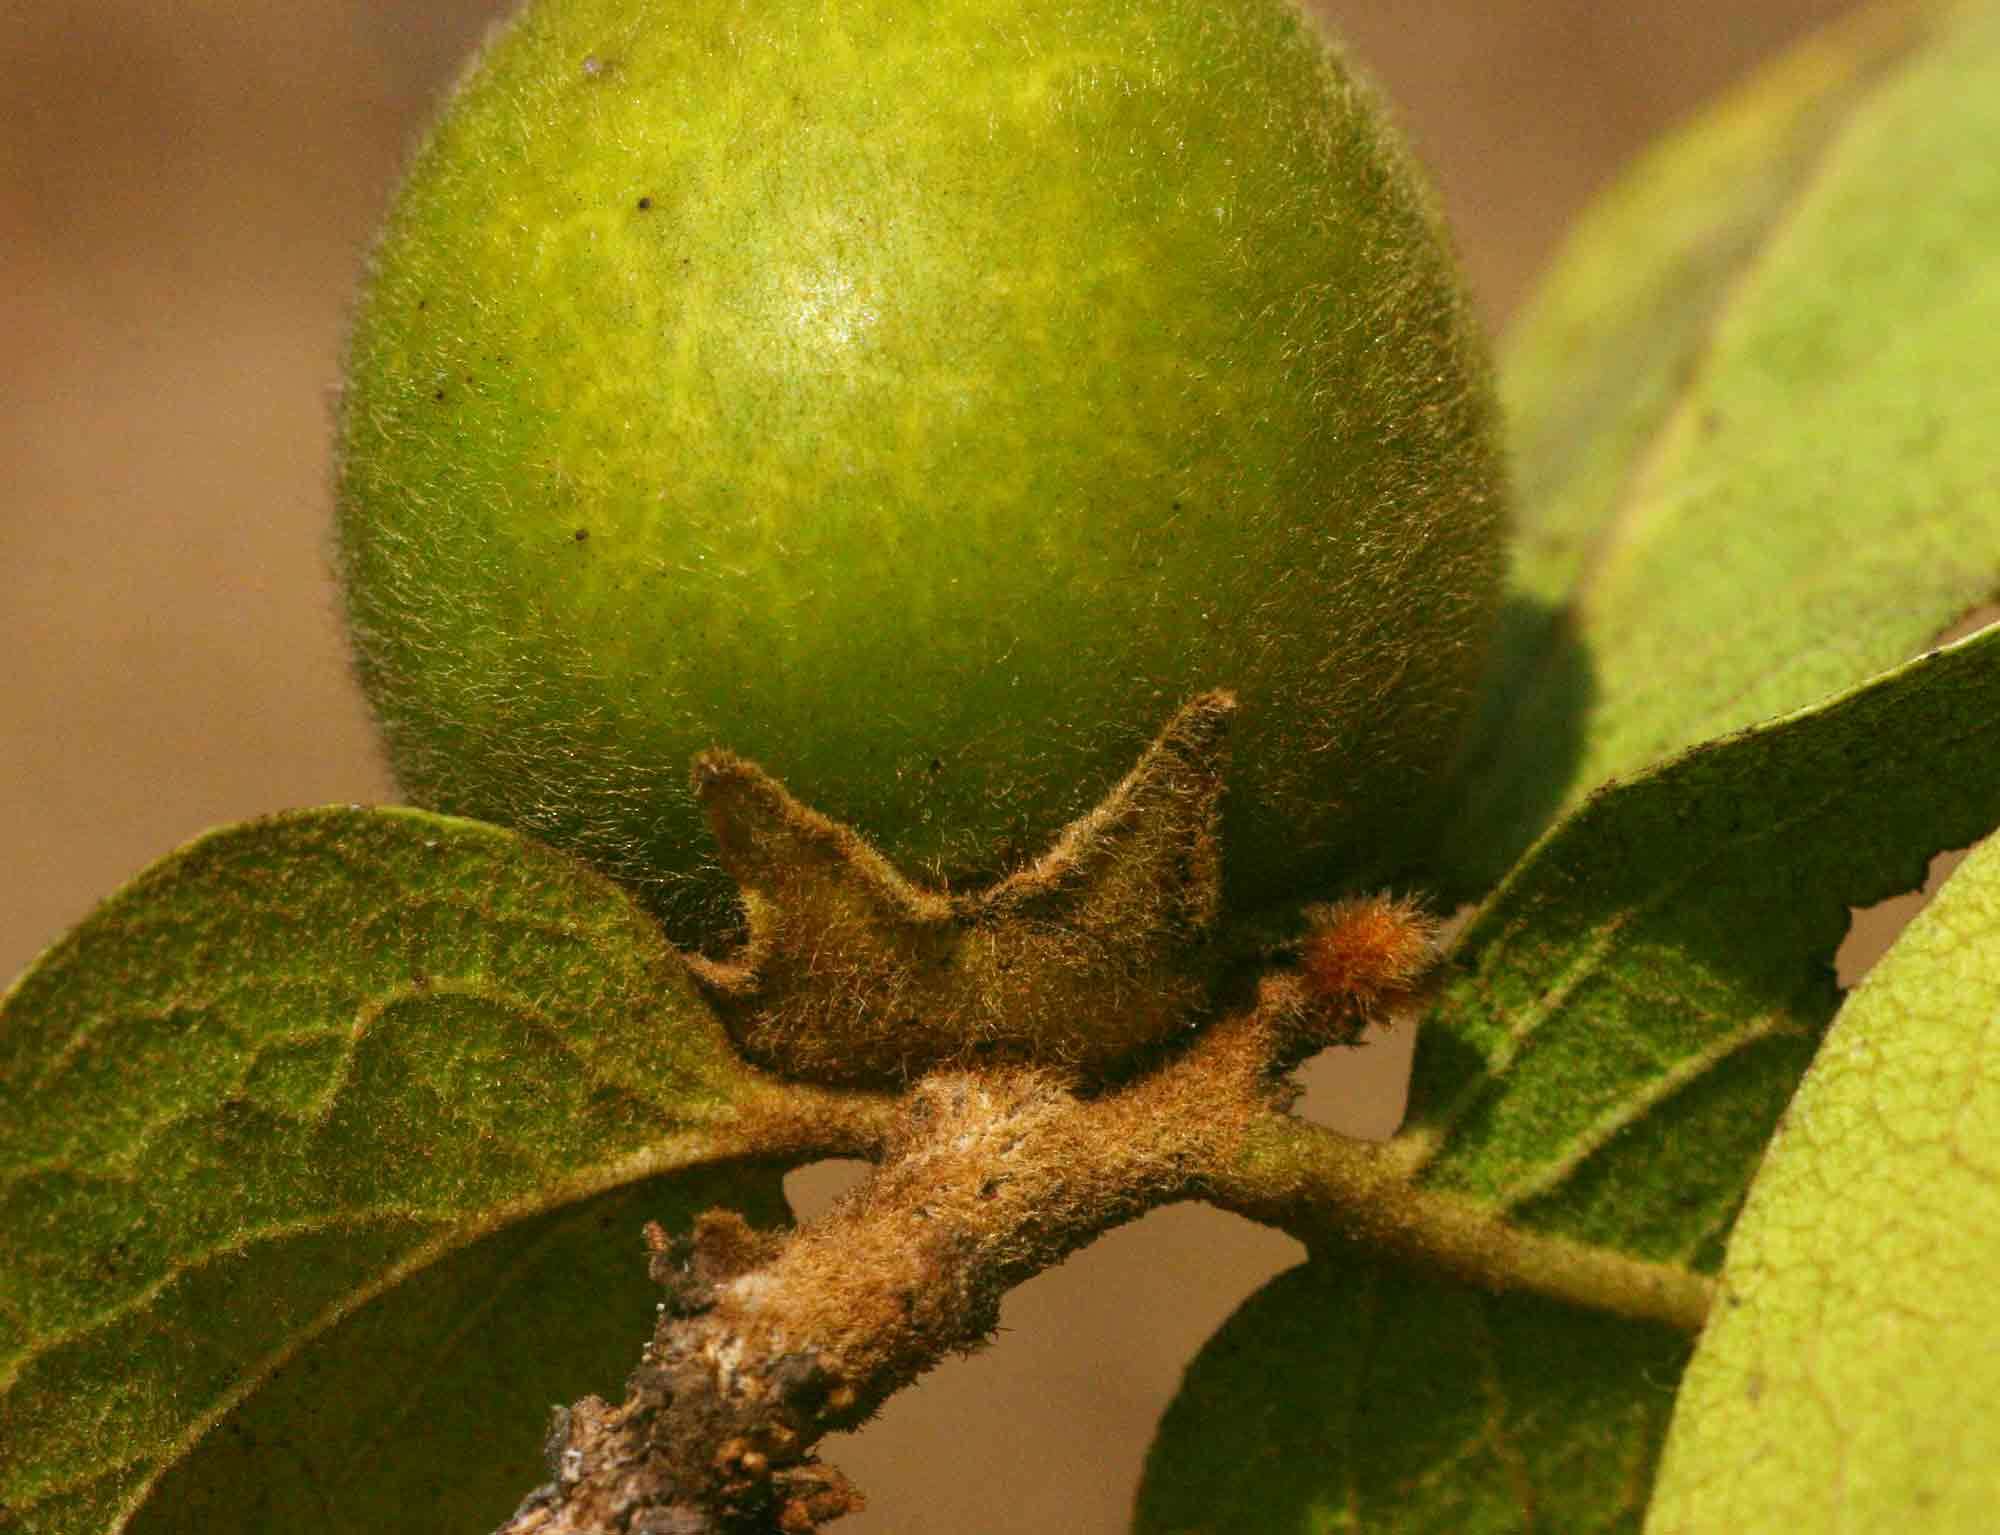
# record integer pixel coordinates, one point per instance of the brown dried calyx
(1081, 962)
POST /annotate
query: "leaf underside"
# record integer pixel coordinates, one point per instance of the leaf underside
(428, 1406)
(1848, 1380)
(345, 1087)
(261, 1092)
(1627, 1016)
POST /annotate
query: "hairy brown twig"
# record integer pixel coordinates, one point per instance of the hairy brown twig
(767, 1344)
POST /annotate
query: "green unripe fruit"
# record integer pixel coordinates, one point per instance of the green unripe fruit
(924, 402)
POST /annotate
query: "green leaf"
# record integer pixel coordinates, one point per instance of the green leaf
(436, 1395)
(1631, 1010)
(266, 1087)
(1751, 413)
(1351, 1394)
(1849, 1380)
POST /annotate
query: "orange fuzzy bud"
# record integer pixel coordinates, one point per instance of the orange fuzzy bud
(1364, 957)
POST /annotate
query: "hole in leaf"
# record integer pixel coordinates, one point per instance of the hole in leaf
(1872, 929)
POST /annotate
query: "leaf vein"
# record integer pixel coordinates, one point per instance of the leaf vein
(1557, 1171)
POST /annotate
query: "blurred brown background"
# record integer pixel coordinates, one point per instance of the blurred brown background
(186, 189)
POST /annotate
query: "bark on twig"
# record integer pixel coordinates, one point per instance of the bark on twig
(766, 1344)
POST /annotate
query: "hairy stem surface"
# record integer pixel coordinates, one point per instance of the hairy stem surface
(767, 1344)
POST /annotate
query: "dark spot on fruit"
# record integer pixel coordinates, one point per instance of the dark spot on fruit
(582, 535)
(423, 303)
(937, 764)
(645, 204)
(439, 395)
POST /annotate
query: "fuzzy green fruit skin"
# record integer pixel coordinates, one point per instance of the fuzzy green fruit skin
(924, 402)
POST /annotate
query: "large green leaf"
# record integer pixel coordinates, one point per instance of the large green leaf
(1623, 1024)
(263, 1090)
(1850, 1380)
(1630, 1011)
(1752, 415)
(1351, 1394)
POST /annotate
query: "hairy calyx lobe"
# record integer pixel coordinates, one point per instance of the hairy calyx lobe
(1079, 962)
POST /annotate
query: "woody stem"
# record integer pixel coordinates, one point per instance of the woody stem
(986, 1179)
